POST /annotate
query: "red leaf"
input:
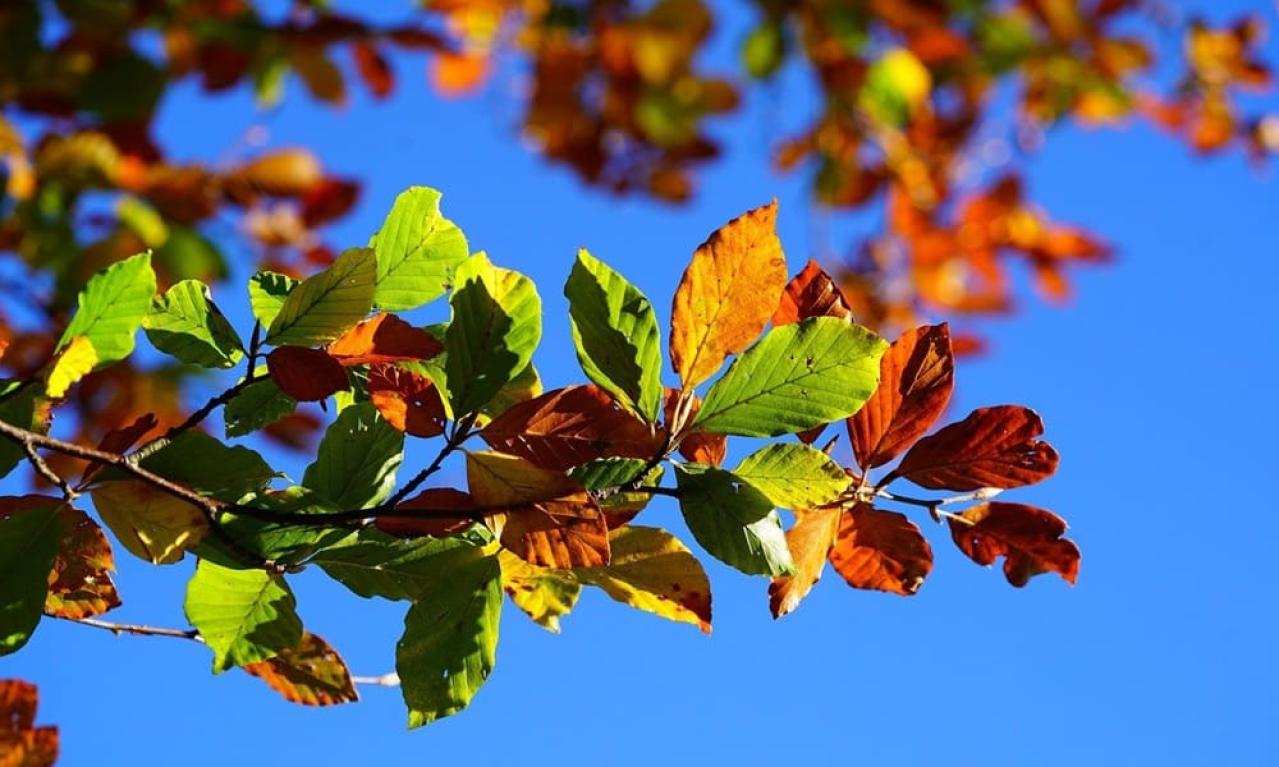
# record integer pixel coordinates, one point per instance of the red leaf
(408, 401)
(812, 293)
(569, 427)
(373, 68)
(881, 550)
(381, 339)
(1029, 539)
(434, 499)
(328, 200)
(306, 375)
(992, 447)
(916, 377)
(22, 744)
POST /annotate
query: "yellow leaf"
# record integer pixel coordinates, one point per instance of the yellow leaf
(149, 523)
(542, 593)
(652, 571)
(75, 362)
(727, 294)
(809, 541)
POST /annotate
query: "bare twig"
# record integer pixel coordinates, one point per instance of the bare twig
(49, 474)
(159, 443)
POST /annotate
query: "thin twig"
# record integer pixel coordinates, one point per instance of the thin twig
(159, 443)
(385, 680)
(933, 505)
(461, 433)
(49, 474)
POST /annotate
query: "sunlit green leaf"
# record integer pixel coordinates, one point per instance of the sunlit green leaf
(356, 463)
(733, 520)
(323, 306)
(417, 251)
(245, 616)
(184, 323)
(111, 308)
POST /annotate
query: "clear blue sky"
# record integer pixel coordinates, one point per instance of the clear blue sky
(1156, 385)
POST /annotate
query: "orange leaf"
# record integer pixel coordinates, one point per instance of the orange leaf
(409, 402)
(433, 499)
(809, 541)
(381, 339)
(456, 74)
(727, 294)
(1029, 539)
(881, 550)
(22, 744)
(542, 516)
(992, 447)
(80, 584)
(569, 427)
(812, 293)
(916, 377)
(306, 375)
(700, 446)
(312, 673)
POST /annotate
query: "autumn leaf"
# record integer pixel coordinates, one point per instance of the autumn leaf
(456, 74)
(310, 673)
(809, 541)
(306, 375)
(881, 550)
(22, 744)
(992, 447)
(409, 402)
(568, 427)
(1029, 539)
(73, 363)
(384, 338)
(150, 523)
(435, 499)
(543, 516)
(80, 584)
(699, 446)
(119, 441)
(916, 376)
(812, 293)
(544, 594)
(653, 571)
(727, 294)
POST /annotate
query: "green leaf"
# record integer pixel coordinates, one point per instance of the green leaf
(325, 305)
(18, 410)
(245, 616)
(800, 375)
(794, 476)
(373, 564)
(202, 463)
(526, 385)
(449, 645)
(184, 323)
(28, 545)
(605, 473)
(356, 463)
(733, 520)
(417, 251)
(111, 308)
(259, 404)
(616, 335)
(278, 542)
(496, 325)
(267, 291)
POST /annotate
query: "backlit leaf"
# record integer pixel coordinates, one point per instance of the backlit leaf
(881, 550)
(809, 542)
(28, 545)
(543, 593)
(652, 571)
(417, 251)
(202, 463)
(992, 447)
(812, 293)
(733, 520)
(184, 323)
(150, 523)
(323, 306)
(111, 307)
(310, 673)
(80, 584)
(605, 477)
(793, 476)
(409, 402)
(245, 616)
(384, 338)
(727, 294)
(376, 565)
(267, 291)
(278, 542)
(698, 446)
(74, 362)
(357, 460)
(22, 744)
(1029, 539)
(306, 375)
(439, 525)
(257, 405)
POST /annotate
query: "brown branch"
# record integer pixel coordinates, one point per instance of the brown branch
(159, 443)
(49, 474)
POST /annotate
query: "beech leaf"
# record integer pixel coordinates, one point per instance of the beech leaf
(310, 673)
(881, 550)
(992, 447)
(1028, 537)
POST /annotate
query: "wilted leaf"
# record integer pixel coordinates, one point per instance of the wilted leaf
(184, 323)
(915, 381)
(245, 616)
(812, 293)
(1029, 539)
(793, 476)
(310, 673)
(543, 593)
(80, 584)
(417, 251)
(150, 523)
(28, 545)
(733, 520)
(357, 460)
(727, 294)
(409, 402)
(22, 744)
(323, 306)
(652, 571)
(992, 447)
(809, 542)
(881, 550)
(306, 375)
(384, 338)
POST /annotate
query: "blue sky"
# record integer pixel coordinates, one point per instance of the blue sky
(1155, 383)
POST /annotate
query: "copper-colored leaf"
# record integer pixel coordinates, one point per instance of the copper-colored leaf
(568, 427)
(384, 338)
(881, 550)
(812, 293)
(120, 440)
(306, 375)
(700, 446)
(456, 74)
(373, 68)
(80, 584)
(1029, 539)
(992, 447)
(409, 402)
(312, 673)
(809, 541)
(435, 499)
(727, 294)
(22, 744)
(542, 516)
(916, 377)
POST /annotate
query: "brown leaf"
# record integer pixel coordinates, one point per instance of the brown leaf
(432, 499)
(306, 375)
(809, 541)
(569, 427)
(409, 402)
(373, 68)
(284, 173)
(119, 441)
(881, 550)
(542, 516)
(382, 339)
(700, 446)
(1029, 539)
(80, 584)
(22, 744)
(812, 293)
(727, 294)
(916, 377)
(992, 447)
(456, 74)
(312, 673)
